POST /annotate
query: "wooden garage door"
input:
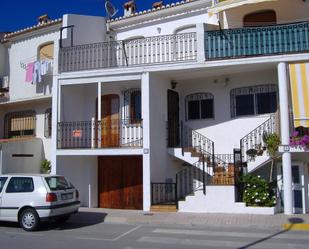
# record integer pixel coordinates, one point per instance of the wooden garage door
(120, 182)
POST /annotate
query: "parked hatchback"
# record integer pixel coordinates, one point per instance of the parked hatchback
(31, 199)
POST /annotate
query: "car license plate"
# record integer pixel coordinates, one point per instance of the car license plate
(67, 196)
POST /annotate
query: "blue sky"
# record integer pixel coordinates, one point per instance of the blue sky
(18, 14)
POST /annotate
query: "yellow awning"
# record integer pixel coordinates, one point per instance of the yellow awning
(299, 80)
(229, 4)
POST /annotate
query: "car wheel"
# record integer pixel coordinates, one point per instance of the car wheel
(29, 220)
(62, 219)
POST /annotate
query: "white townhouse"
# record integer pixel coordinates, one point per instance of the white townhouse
(168, 106)
(26, 96)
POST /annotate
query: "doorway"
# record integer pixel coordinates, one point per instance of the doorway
(261, 18)
(173, 118)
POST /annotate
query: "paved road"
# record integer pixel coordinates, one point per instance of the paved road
(79, 233)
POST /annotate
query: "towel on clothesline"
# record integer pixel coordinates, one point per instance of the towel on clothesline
(29, 72)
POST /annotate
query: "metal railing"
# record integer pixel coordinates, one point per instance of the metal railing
(255, 41)
(254, 139)
(164, 193)
(149, 50)
(100, 134)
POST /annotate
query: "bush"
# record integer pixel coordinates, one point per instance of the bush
(257, 192)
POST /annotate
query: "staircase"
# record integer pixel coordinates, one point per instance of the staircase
(252, 146)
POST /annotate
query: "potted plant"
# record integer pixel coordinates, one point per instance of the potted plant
(251, 153)
(45, 166)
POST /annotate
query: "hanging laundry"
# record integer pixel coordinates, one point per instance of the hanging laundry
(37, 72)
(29, 72)
(45, 67)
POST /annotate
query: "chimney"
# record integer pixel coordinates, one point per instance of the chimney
(129, 8)
(43, 19)
(158, 4)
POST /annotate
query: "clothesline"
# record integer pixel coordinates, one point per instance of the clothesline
(35, 70)
(24, 62)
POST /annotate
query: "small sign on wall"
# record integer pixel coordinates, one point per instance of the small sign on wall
(77, 133)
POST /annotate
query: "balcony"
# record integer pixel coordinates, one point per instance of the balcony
(257, 41)
(145, 51)
(95, 134)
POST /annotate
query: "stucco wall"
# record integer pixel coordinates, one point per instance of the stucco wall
(10, 163)
(162, 165)
(286, 10)
(87, 29)
(225, 131)
(39, 108)
(82, 171)
(22, 52)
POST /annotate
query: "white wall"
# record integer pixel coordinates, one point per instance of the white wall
(287, 11)
(39, 108)
(225, 131)
(82, 171)
(87, 29)
(162, 165)
(163, 27)
(10, 164)
(25, 50)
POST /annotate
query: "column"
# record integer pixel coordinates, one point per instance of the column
(285, 138)
(146, 141)
(99, 114)
(56, 96)
(200, 33)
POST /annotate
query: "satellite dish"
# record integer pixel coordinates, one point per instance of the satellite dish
(110, 9)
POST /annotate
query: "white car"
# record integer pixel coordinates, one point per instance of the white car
(30, 199)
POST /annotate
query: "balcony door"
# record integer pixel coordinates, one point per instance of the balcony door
(110, 121)
(173, 118)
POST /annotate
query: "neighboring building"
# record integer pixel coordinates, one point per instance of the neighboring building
(25, 103)
(169, 105)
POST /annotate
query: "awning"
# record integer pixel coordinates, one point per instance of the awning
(229, 4)
(299, 80)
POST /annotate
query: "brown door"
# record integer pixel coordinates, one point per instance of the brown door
(110, 120)
(262, 18)
(173, 118)
(120, 181)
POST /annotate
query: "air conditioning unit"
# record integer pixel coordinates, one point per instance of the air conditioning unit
(4, 82)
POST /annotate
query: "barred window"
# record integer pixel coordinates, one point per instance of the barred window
(48, 123)
(199, 106)
(133, 105)
(253, 100)
(19, 124)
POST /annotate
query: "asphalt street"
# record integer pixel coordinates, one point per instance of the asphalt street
(80, 233)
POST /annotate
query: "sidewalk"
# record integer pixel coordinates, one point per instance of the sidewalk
(190, 219)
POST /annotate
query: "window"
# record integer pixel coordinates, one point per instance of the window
(253, 100)
(48, 123)
(19, 124)
(199, 106)
(56, 183)
(2, 182)
(46, 51)
(20, 185)
(261, 18)
(133, 105)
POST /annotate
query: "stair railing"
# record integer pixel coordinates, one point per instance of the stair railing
(254, 139)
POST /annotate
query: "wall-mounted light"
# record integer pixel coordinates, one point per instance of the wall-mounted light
(173, 84)
(159, 30)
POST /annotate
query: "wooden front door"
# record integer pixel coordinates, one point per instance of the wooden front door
(261, 18)
(120, 181)
(173, 118)
(110, 121)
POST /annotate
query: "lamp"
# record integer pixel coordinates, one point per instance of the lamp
(173, 84)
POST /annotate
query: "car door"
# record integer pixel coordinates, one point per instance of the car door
(2, 183)
(18, 191)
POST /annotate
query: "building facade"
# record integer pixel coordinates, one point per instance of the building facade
(170, 105)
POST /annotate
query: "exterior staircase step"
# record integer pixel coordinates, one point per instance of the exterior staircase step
(163, 208)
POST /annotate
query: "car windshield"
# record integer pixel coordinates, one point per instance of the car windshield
(58, 183)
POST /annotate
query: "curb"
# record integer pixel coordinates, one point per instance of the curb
(296, 227)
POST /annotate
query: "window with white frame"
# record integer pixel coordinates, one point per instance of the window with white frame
(48, 123)
(253, 100)
(19, 124)
(199, 106)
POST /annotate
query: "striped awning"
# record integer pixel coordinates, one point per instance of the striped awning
(229, 4)
(299, 80)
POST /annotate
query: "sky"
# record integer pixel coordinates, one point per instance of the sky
(19, 14)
